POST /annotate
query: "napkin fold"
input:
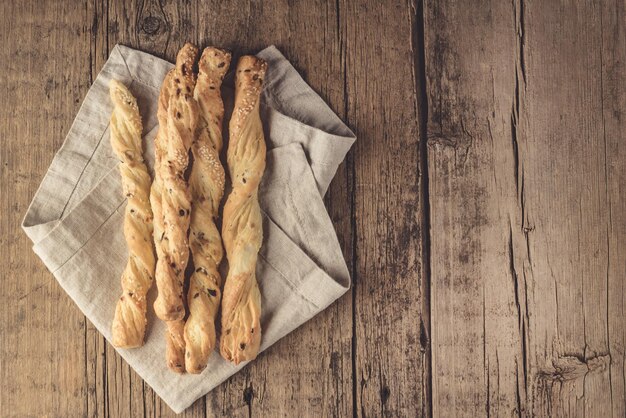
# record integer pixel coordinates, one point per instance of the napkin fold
(75, 219)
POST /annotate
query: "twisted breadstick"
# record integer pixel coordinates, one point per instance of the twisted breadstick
(157, 184)
(175, 351)
(129, 323)
(242, 230)
(207, 188)
(182, 114)
(177, 129)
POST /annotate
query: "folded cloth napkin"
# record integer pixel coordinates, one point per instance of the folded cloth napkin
(75, 219)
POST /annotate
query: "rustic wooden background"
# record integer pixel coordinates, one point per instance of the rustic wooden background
(481, 211)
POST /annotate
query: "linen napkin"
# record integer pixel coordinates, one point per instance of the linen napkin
(75, 219)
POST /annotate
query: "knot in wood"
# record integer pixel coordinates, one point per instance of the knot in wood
(151, 25)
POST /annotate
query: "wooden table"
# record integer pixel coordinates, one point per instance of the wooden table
(481, 211)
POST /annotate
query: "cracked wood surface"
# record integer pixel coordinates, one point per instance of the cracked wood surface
(526, 175)
(388, 292)
(498, 241)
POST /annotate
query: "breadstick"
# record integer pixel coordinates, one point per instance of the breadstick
(182, 114)
(175, 351)
(206, 184)
(129, 323)
(157, 184)
(176, 134)
(242, 229)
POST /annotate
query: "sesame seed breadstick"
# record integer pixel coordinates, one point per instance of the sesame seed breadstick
(206, 184)
(129, 323)
(176, 134)
(242, 228)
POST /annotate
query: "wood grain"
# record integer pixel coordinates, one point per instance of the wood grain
(613, 103)
(570, 138)
(477, 354)
(390, 366)
(40, 95)
(524, 169)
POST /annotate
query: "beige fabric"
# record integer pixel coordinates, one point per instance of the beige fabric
(75, 219)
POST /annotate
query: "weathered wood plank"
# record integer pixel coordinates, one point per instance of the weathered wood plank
(613, 104)
(525, 175)
(42, 359)
(390, 341)
(570, 173)
(477, 362)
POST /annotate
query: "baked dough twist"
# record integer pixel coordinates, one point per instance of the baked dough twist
(129, 323)
(175, 346)
(176, 133)
(206, 184)
(242, 229)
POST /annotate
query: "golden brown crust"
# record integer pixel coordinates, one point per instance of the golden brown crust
(157, 184)
(178, 116)
(206, 183)
(242, 224)
(129, 323)
(182, 115)
(174, 342)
